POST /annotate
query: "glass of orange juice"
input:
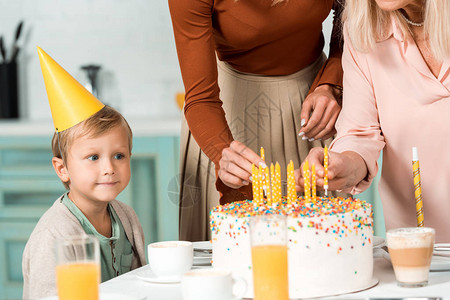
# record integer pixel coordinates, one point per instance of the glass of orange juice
(268, 238)
(78, 268)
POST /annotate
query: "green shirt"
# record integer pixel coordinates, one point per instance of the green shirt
(116, 252)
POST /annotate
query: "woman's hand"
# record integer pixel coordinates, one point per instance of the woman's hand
(319, 113)
(345, 170)
(235, 166)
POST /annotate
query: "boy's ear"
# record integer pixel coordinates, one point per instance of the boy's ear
(60, 169)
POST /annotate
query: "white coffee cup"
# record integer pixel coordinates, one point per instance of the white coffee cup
(207, 284)
(170, 259)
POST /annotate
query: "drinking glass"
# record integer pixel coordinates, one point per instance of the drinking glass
(268, 237)
(78, 268)
(411, 250)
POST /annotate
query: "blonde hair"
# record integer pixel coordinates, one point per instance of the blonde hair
(94, 126)
(367, 24)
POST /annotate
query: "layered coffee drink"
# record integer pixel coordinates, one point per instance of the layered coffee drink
(411, 250)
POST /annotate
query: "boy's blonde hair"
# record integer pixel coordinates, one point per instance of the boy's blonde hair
(367, 24)
(96, 125)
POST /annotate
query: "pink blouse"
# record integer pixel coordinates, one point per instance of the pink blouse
(393, 102)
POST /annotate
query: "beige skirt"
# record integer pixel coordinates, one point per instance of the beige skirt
(261, 111)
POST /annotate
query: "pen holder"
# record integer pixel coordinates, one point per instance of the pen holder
(9, 108)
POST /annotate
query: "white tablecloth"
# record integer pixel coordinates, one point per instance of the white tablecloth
(438, 286)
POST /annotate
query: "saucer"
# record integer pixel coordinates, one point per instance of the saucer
(440, 263)
(202, 246)
(378, 242)
(148, 276)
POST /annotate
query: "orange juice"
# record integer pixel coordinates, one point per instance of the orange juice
(270, 273)
(78, 281)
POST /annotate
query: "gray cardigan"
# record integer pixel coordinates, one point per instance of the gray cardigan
(39, 262)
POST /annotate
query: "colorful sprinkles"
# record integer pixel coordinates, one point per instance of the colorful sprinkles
(321, 210)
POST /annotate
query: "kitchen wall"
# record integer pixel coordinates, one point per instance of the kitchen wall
(131, 39)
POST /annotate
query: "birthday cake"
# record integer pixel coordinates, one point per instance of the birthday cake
(329, 243)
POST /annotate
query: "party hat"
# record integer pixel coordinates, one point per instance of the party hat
(70, 102)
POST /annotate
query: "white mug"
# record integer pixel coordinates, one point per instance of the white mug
(207, 284)
(170, 259)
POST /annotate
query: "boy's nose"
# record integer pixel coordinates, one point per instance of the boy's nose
(108, 167)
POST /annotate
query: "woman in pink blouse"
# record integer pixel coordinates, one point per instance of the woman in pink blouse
(396, 65)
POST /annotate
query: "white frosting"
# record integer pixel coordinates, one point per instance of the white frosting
(321, 262)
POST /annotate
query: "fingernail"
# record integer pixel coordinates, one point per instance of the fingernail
(302, 122)
(250, 179)
(304, 138)
(262, 165)
(301, 133)
(311, 139)
(244, 182)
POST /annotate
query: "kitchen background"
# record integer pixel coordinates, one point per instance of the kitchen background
(133, 43)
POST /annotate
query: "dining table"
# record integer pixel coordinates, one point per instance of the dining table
(132, 285)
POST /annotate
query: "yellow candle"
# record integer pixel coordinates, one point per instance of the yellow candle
(273, 185)
(289, 192)
(306, 183)
(278, 182)
(325, 167)
(417, 188)
(255, 184)
(261, 184)
(267, 184)
(263, 157)
(313, 183)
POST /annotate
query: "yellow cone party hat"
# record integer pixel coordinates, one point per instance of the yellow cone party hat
(70, 102)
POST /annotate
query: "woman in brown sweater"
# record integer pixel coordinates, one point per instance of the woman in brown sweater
(254, 76)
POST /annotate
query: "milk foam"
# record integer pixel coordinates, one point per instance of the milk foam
(414, 237)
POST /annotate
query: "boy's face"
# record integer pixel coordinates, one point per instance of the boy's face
(99, 168)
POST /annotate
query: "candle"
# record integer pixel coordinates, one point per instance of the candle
(313, 183)
(325, 167)
(261, 184)
(267, 184)
(273, 184)
(255, 184)
(278, 181)
(417, 188)
(290, 183)
(263, 157)
(306, 183)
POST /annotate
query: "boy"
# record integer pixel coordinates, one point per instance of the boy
(92, 148)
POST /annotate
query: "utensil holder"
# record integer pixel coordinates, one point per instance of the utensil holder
(9, 108)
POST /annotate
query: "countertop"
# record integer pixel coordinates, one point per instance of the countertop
(140, 127)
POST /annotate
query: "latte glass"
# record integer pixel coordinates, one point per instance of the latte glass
(411, 250)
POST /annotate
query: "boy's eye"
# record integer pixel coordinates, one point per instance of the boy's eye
(119, 156)
(93, 157)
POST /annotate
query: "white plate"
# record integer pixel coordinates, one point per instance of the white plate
(205, 246)
(440, 263)
(202, 260)
(103, 296)
(148, 276)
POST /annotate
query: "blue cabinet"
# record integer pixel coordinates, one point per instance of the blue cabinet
(29, 186)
